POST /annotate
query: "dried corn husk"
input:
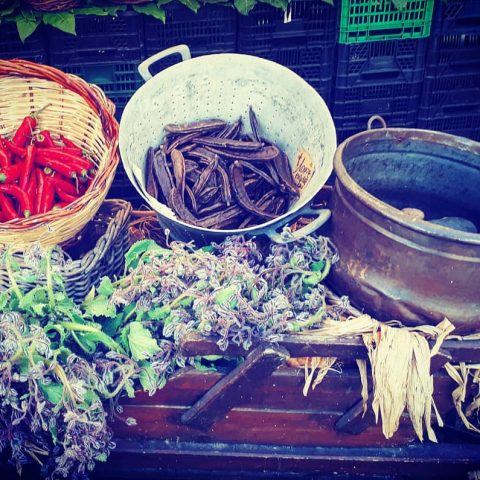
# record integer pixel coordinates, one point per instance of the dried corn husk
(400, 363)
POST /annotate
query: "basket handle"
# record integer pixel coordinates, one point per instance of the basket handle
(144, 67)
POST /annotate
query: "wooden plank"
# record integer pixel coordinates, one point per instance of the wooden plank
(310, 345)
(137, 458)
(224, 395)
(281, 391)
(270, 427)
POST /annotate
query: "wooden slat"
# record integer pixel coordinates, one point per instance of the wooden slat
(281, 391)
(310, 345)
(225, 394)
(150, 458)
(269, 427)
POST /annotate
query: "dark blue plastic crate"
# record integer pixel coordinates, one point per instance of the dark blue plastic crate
(372, 63)
(382, 99)
(212, 29)
(99, 39)
(305, 23)
(464, 125)
(119, 80)
(123, 188)
(456, 17)
(34, 48)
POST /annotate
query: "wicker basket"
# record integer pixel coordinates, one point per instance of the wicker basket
(79, 111)
(106, 258)
(53, 5)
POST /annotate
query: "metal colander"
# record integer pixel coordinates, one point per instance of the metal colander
(290, 112)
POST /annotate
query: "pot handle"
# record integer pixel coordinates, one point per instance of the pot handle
(374, 118)
(144, 67)
(321, 215)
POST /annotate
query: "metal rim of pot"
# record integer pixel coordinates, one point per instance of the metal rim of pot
(392, 213)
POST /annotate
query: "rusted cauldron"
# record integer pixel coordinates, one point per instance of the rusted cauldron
(393, 264)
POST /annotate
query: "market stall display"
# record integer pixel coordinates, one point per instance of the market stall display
(230, 328)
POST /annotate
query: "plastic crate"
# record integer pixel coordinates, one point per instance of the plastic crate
(382, 99)
(392, 61)
(98, 39)
(305, 23)
(34, 48)
(123, 188)
(463, 125)
(456, 16)
(119, 80)
(368, 20)
(212, 29)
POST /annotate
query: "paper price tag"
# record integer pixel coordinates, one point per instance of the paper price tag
(303, 169)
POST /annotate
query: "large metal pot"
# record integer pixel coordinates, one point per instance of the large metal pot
(292, 115)
(392, 264)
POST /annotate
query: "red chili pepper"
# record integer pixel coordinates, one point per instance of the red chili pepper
(78, 163)
(8, 153)
(68, 143)
(44, 139)
(66, 170)
(65, 185)
(32, 192)
(66, 197)
(8, 209)
(25, 129)
(11, 173)
(27, 167)
(61, 205)
(40, 189)
(16, 150)
(48, 197)
(20, 195)
(4, 158)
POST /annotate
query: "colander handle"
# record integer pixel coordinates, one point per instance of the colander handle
(144, 67)
(376, 118)
(322, 215)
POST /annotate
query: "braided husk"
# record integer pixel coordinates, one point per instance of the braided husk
(75, 109)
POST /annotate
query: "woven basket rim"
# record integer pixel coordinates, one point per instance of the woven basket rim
(101, 106)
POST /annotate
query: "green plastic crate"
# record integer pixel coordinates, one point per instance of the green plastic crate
(377, 20)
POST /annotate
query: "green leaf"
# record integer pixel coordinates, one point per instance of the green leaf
(147, 377)
(163, 2)
(100, 307)
(142, 344)
(101, 457)
(90, 295)
(53, 392)
(27, 277)
(106, 287)
(159, 313)
(4, 298)
(94, 338)
(283, 4)
(208, 248)
(244, 6)
(152, 10)
(39, 309)
(111, 326)
(212, 358)
(100, 11)
(329, 2)
(123, 339)
(58, 279)
(197, 363)
(318, 266)
(36, 295)
(141, 247)
(90, 397)
(64, 21)
(191, 4)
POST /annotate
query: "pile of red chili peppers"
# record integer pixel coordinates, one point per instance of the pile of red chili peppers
(39, 173)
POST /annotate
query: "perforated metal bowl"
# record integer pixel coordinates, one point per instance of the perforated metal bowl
(291, 114)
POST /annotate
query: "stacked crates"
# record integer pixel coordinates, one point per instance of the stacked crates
(451, 90)
(302, 38)
(33, 49)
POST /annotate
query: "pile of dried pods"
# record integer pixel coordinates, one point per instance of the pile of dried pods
(214, 176)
